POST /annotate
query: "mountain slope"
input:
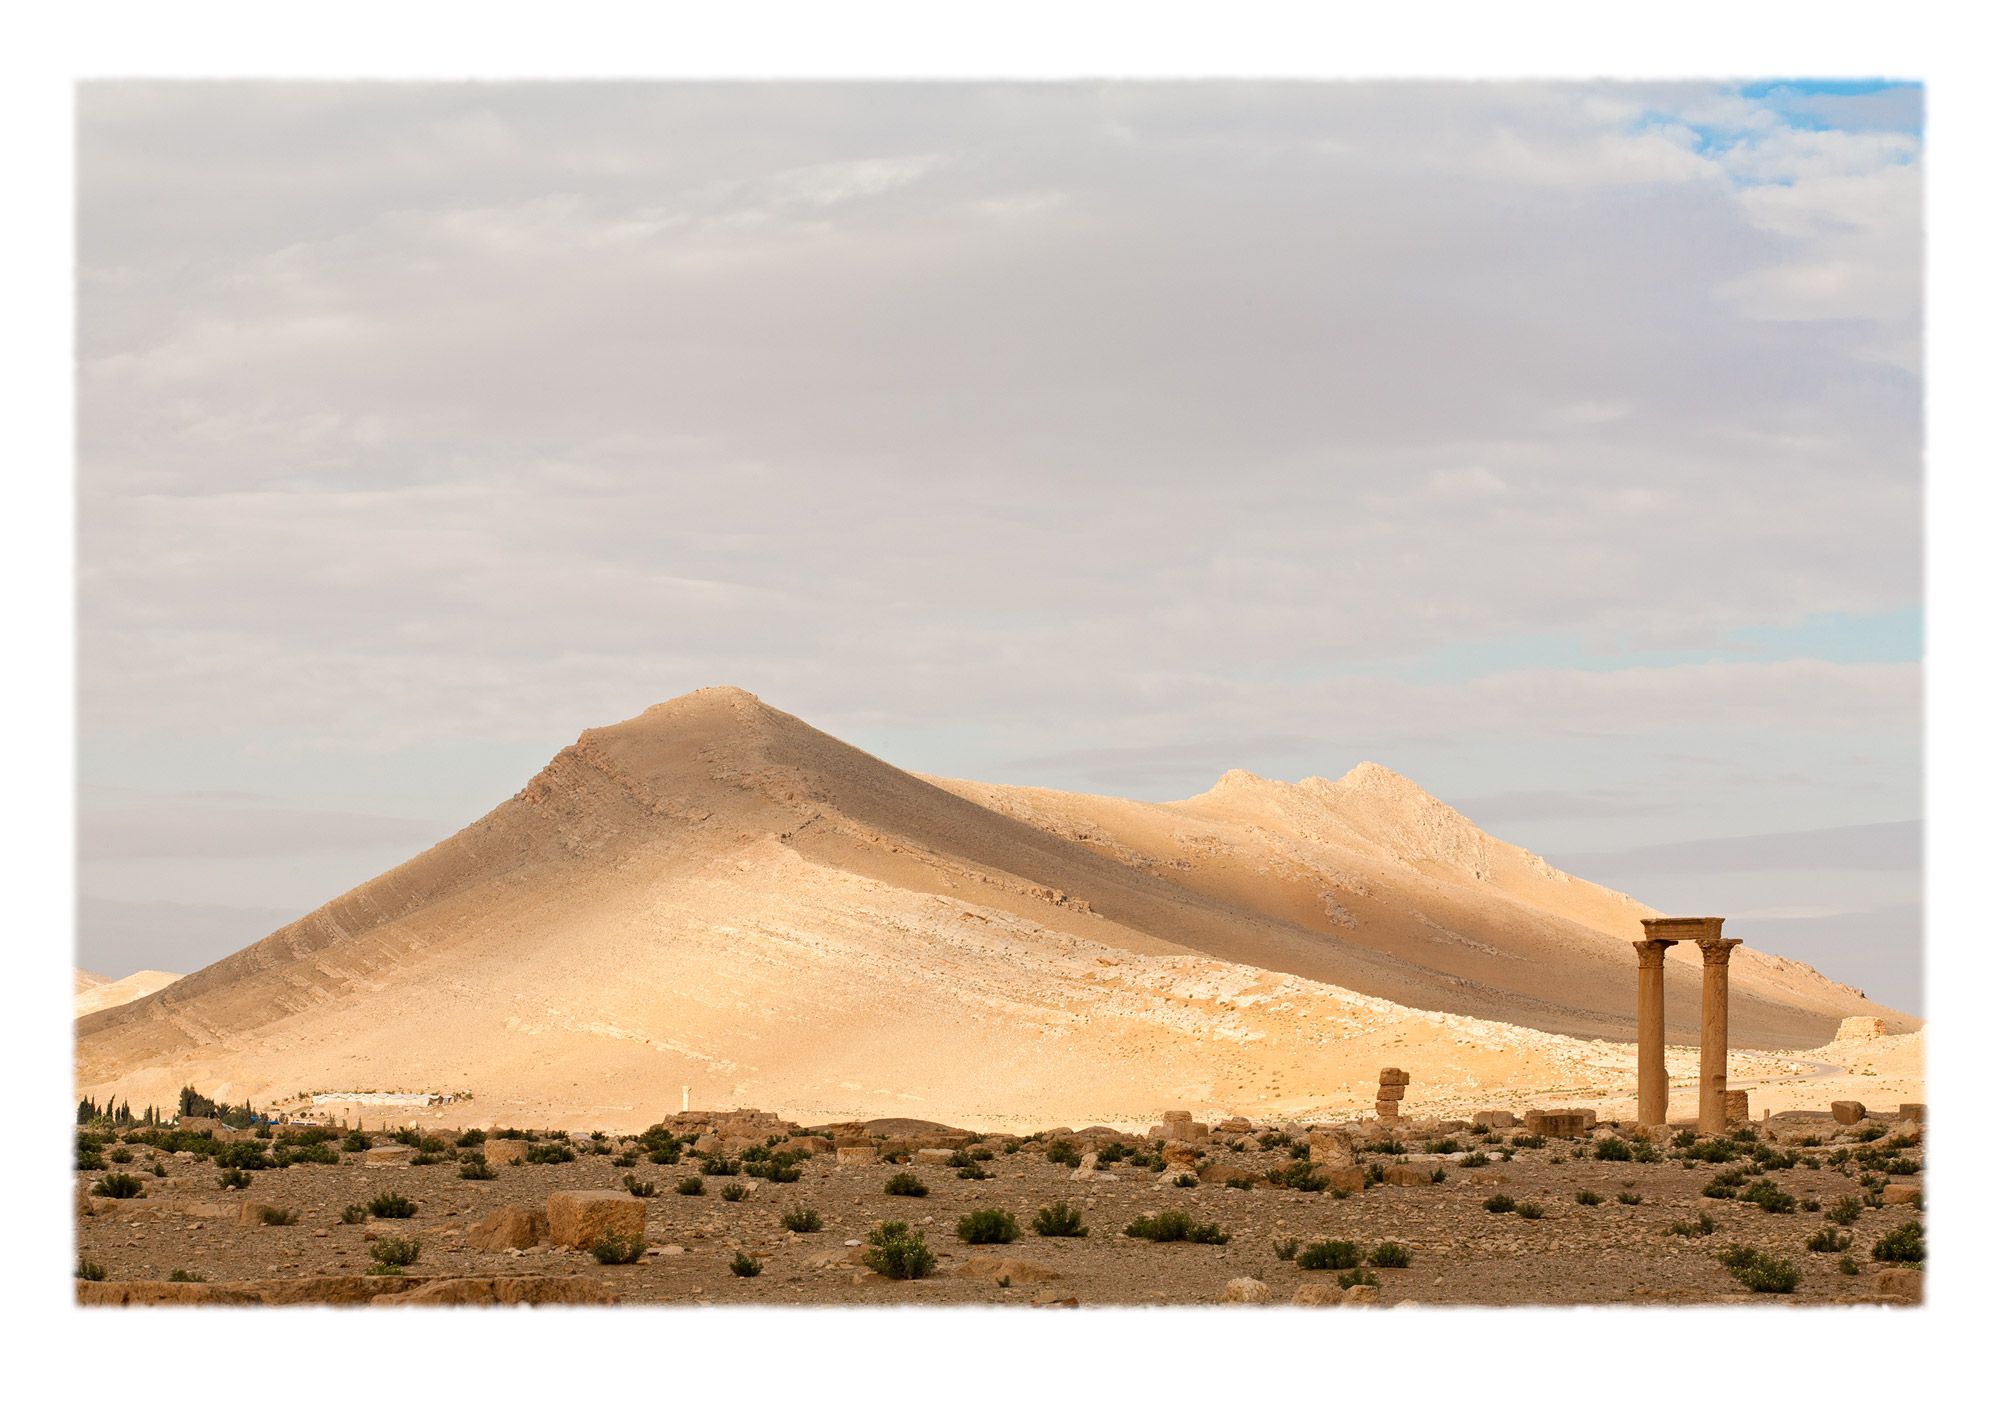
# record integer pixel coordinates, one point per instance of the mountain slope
(715, 894)
(110, 993)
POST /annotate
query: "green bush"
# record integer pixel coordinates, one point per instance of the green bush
(1060, 1220)
(689, 1185)
(477, 1169)
(88, 1271)
(1499, 1204)
(618, 1249)
(556, 1153)
(1528, 1209)
(1769, 1197)
(1360, 1277)
(1477, 1159)
(894, 1251)
(183, 1275)
(471, 1139)
(906, 1186)
(353, 1213)
(119, 1186)
(743, 1265)
(1846, 1211)
(277, 1218)
(1287, 1249)
(1613, 1148)
(1174, 1226)
(395, 1252)
(1390, 1255)
(1330, 1253)
(1588, 1199)
(1848, 1267)
(1902, 1244)
(640, 1188)
(988, 1226)
(733, 1193)
(1760, 1272)
(801, 1220)
(1628, 1198)
(354, 1142)
(1063, 1152)
(1699, 1226)
(232, 1179)
(1300, 1175)
(1829, 1240)
(390, 1204)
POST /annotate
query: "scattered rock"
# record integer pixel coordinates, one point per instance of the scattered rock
(1246, 1289)
(514, 1226)
(1849, 1112)
(1318, 1294)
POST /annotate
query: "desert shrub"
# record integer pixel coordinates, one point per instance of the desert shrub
(1901, 1164)
(1437, 1174)
(1239, 1181)
(894, 1251)
(395, 1252)
(1298, 1175)
(89, 1271)
(906, 1186)
(1499, 1204)
(1360, 1277)
(1446, 1146)
(243, 1154)
(1848, 1267)
(1287, 1249)
(471, 1139)
(121, 1155)
(1330, 1253)
(1110, 1153)
(640, 1188)
(1613, 1148)
(390, 1204)
(1714, 1150)
(1063, 1152)
(743, 1265)
(714, 1165)
(1902, 1244)
(1383, 1147)
(353, 1213)
(159, 1171)
(690, 1185)
(733, 1193)
(1477, 1159)
(554, 1152)
(1060, 1220)
(476, 1169)
(626, 1160)
(232, 1179)
(1870, 1132)
(1769, 1197)
(1628, 1197)
(1829, 1240)
(423, 1157)
(305, 1154)
(988, 1226)
(183, 1275)
(1185, 1180)
(1588, 1199)
(1390, 1255)
(1174, 1226)
(1270, 1140)
(1531, 1142)
(801, 1220)
(1700, 1226)
(617, 1249)
(1846, 1211)
(354, 1142)
(119, 1186)
(1528, 1209)
(1758, 1271)
(278, 1218)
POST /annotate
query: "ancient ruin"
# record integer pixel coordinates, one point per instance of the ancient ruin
(1715, 1099)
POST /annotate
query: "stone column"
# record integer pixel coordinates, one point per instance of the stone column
(1713, 1119)
(1652, 1029)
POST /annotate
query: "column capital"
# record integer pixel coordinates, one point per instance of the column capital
(1715, 951)
(1652, 951)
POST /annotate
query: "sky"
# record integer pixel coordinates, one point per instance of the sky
(1557, 445)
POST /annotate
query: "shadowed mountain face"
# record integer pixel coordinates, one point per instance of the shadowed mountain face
(714, 893)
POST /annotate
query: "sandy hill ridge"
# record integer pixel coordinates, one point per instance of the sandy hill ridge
(715, 894)
(107, 992)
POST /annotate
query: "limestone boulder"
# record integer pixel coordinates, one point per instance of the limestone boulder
(1906, 1284)
(503, 1291)
(499, 1152)
(578, 1218)
(388, 1154)
(514, 1226)
(1901, 1193)
(1495, 1119)
(1849, 1112)
(855, 1154)
(933, 1156)
(1349, 1179)
(1911, 1110)
(1407, 1176)
(1317, 1294)
(1246, 1290)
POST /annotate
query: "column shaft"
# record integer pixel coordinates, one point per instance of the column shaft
(1714, 1034)
(1652, 1030)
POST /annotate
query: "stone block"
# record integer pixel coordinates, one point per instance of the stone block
(1177, 1117)
(1906, 1284)
(511, 1227)
(388, 1154)
(1330, 1147)
(1901, 1193)
(1911, 1110)
(499, 1152)
(855, 1154)
(1495, 1119)
(1560, 1124)
(1317, 1294)
(1235, 1125)
(1736, 1107)
(932, 1156)
(1392, 1076)
(1407, 1176)
(1390, 1093)
(579, 1217)
(1246, 1289)
(1351, 1179)
(1849, 1112)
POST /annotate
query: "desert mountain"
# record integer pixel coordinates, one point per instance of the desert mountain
(106, 993)
(715, 894)
(86, 980)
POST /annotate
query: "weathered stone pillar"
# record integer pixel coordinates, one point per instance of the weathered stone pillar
(1714, 1118)
(1653, 1029)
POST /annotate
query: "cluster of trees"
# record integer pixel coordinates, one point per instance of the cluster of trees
(113, 1112)
(194, 1103)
